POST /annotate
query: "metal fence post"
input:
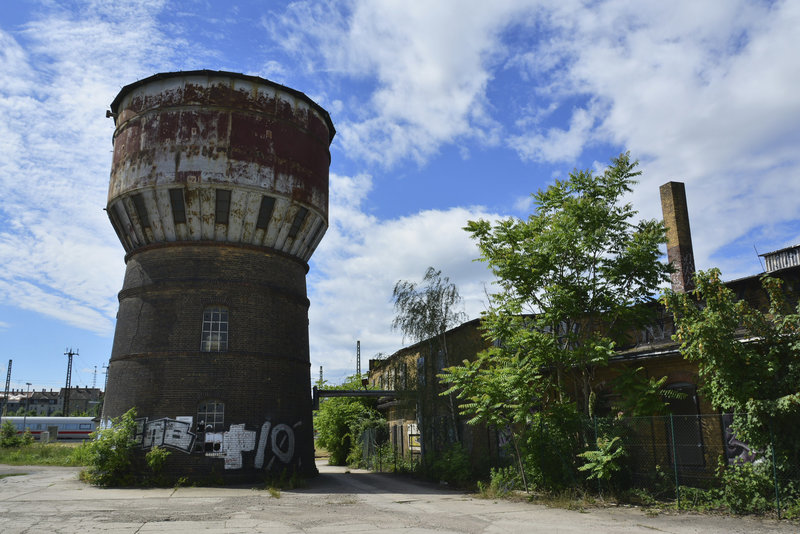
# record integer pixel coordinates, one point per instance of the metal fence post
(675, 462)
(597, 444)
(774, 470)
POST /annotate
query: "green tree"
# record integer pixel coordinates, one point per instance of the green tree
(425, 312)
(639, 395)
(339, 421)
(748, 359)
(573, 278)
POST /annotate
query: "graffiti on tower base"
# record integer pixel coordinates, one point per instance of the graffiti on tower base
(274, 444)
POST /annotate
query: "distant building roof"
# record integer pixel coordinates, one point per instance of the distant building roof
(783, 258)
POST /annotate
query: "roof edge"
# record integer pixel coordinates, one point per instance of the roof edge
(206, 72)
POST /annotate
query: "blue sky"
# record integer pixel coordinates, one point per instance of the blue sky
(445, 111)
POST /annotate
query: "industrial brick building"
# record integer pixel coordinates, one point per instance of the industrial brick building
(700, 442)
(219, 196)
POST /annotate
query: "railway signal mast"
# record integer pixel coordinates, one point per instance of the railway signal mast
(8, 383)
(69, 354)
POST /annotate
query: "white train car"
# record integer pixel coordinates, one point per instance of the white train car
(69, 428)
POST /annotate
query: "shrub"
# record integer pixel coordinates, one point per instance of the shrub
(109, 455)
(502, 480)
(604, 462)
(748, 488)
(451, 466)
(155, 459)
(339, 426)
(551, 446)
(699, 499)
(372, 428)
(10, 438)
(8, 435)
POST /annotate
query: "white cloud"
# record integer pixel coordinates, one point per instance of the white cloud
(60, 72)
(556, 144)
(703, 93)
(429, 64)
(700, 92)
(524, 205)
(360, 260)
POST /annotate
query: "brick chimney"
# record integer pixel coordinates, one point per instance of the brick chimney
(679, 236)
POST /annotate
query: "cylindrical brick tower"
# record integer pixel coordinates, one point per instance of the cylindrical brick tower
(219, 195)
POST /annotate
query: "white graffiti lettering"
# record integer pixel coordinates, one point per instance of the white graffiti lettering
(283, 443)
(177, 434)
(164, 433)
(234, 442)
(262, 445)
(228, 445)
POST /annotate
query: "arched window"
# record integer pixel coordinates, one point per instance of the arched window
(215, 330)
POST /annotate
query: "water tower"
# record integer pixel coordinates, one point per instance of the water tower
(219, 195)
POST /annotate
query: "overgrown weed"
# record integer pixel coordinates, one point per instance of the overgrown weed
(41, 454)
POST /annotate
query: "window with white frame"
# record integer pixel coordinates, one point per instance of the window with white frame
(215, 329)
(211, 416)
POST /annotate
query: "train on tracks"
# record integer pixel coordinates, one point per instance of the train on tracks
(69, 428)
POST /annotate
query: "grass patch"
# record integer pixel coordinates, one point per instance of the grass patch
(42, 454)
(12, 475)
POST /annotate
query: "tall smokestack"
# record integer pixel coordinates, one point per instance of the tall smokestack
(679, 236)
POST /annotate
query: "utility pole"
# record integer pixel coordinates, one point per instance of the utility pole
(94, 378)
(103, 393)
(69, 354)
(8, 383)
(320, 376)
(358, 359)
(27, 405)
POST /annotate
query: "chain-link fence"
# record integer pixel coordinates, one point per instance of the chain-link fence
(674, 456)
(693, 460)
(384, 457)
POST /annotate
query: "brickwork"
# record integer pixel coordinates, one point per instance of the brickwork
(679, 235)
(219, 195)
(413, 370)
(157, 365)
(167, 288)
(650, 348)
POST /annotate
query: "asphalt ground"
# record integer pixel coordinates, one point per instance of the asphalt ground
(53, 500)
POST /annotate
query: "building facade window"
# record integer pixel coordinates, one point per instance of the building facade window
(178, 207)
(141, 210)
(215, 330)
(223, 206)
(299, 217)
(211, 416)
(265, 212)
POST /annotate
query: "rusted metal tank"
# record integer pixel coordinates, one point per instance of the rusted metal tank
(207, 134)
(219, 195)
